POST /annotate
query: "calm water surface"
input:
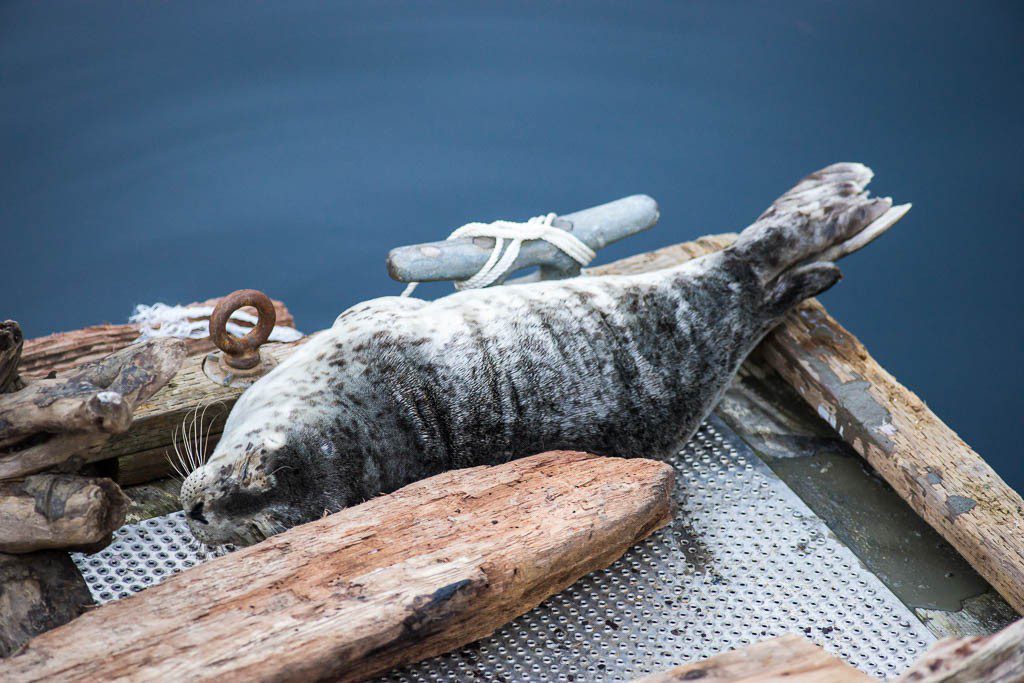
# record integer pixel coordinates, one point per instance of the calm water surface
(176, 151)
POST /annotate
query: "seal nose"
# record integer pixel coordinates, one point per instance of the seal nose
(196, 513)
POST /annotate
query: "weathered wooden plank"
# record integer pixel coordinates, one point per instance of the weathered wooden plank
(997, 658)
(788, 658)
(433, 566)
(666, 257)
(47, 511)
(941, 477)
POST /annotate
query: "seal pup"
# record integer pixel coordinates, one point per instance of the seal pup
(399, 389)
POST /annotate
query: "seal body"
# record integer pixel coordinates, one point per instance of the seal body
(401, 389)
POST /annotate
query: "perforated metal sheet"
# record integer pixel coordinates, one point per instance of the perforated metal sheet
(743, 560)
(142, 555)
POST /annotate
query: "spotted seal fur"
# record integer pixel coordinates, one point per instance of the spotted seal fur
(400, 389)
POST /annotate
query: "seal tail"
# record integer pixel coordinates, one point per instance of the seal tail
(793, 245)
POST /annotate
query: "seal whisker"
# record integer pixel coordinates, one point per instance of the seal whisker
(282, 467)
(177, 452)
(184, 446)
(177, 473)
(194, 432)
(205, 450)
(186, 442)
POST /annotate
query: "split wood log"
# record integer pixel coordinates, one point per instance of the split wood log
(64, 511)
(11, 344)
(64, 351)
(949, 485)
(422, 571)
(788, 658)
(997, 658)
(37, 592)
(51, 420)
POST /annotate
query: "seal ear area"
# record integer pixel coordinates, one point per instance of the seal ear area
(802, 283)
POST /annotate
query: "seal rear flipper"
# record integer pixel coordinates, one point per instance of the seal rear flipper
(827, 215)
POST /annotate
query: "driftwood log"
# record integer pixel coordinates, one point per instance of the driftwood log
(48, 424)
(64, 351)
(949, 485)
(433, 566)
(40, 590)
(788, 658)
(37, 592)
(998, 658)
(46, 511)
(52, 421)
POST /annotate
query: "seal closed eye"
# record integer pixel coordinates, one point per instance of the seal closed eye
(400, 389)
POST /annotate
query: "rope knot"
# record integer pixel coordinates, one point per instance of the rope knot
(502, 259)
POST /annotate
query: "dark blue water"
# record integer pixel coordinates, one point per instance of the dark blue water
(173, 151)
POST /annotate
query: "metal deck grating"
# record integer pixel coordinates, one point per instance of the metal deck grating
(743, 560)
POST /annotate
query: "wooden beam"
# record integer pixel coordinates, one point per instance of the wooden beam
(788, 658)
(666, 257)
(997, 658)
(422, 571)
(948, 484)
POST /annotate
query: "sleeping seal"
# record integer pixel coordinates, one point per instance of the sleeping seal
(401, 389)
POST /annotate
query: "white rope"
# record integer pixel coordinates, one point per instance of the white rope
(499, 263)
(193, 322)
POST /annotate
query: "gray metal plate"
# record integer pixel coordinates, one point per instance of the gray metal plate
(743, 560)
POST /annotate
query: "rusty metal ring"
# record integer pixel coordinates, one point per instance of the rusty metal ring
(242, 353)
